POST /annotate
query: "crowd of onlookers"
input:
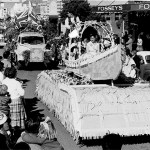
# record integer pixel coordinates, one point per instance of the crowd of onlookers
(17, 130)
(133, 63)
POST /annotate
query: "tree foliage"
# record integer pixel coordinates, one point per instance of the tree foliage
(49, 28)
(80, 8)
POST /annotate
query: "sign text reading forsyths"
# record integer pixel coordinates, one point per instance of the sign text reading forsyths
(112, 8)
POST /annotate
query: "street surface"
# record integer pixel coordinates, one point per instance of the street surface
(34, 107)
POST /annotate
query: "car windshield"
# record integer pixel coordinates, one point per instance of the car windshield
(32, 40)
(147, 58)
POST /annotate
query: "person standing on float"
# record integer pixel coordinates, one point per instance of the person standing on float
(71, 22)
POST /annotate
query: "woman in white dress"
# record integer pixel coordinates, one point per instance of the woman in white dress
(92, 46)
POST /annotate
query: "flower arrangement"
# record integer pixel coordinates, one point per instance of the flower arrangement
(68, 78)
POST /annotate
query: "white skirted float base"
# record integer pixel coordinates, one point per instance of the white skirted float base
(92, 111)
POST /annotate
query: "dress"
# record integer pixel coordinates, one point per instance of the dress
(17, 111)
(92, 48)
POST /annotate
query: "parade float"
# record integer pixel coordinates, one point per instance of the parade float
(88, 110)
(26, 40)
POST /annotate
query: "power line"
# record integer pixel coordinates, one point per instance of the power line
(100, 2)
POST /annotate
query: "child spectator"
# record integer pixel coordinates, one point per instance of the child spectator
(42, 134)
(17, 111)
(132, 72)
(4, 106)
(5, 59)
(128, 64)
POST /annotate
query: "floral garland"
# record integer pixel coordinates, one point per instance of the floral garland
(68, 78)
(87, 59)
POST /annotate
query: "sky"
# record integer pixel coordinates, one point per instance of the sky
(106, 2)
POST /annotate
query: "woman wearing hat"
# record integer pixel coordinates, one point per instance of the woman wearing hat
(3, 119)
(4, 105)
(3, 135)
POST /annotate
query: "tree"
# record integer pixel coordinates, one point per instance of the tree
(80, 8)
(49, 28)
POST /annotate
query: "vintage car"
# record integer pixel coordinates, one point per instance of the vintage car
(30, 47)
(145, 66)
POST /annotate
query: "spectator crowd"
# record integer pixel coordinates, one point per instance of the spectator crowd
(17, 130)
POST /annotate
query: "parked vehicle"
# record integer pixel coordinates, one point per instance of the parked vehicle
(145, 65)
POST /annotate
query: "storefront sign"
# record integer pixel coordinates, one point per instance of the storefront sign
(112, 8)
(140, 7)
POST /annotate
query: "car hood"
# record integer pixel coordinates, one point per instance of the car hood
(30, 47)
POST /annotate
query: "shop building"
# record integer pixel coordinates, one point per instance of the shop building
(112, 11)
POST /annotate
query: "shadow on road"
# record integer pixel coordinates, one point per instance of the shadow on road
(32, 109)
(39, 66)
(125, 140)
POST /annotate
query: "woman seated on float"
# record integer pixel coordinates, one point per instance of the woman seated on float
(93, 46)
